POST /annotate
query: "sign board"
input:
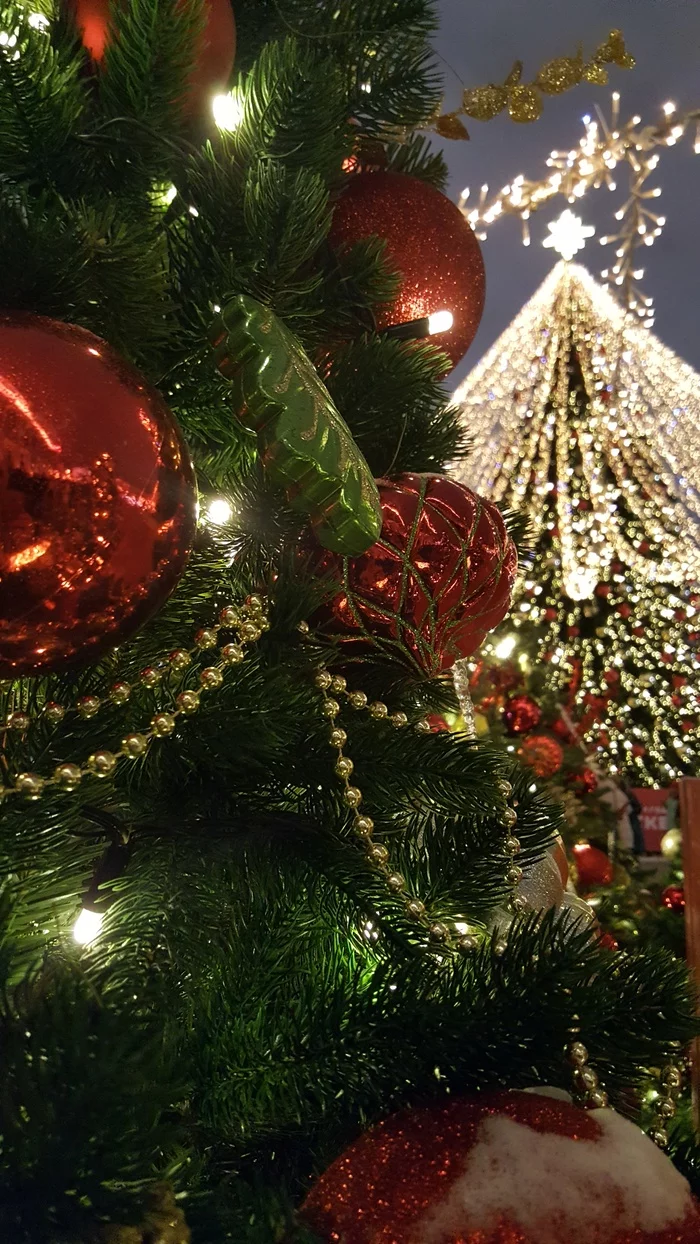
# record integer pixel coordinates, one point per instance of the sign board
(653, 816)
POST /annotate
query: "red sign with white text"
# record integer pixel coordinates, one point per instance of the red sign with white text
(653, 816)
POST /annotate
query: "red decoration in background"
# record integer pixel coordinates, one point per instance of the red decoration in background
(543, 755)
(438, 725)
(428, 242)
(214, 56)
(561, 729)
(438, 579)
(461, 1172)
(521, 713)
(673, 897)
(97, 497)
(608, 942)
(592, 866)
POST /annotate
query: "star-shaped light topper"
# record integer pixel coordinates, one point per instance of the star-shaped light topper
(568, 235)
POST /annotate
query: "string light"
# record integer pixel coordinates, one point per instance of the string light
(87, 926)
(228, 110)
(506, 647)
(219, 512)
(610, 483)
(604, 146)
(440, 322)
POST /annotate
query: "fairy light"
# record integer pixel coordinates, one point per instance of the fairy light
(505, 648)
(440, 322)
(87, 926)
(228, 110)
(219, 512)
(611, 488)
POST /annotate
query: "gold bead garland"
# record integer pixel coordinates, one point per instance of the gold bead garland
(671, 1083)
(249, 620)
(440, 933)
(587, 1090)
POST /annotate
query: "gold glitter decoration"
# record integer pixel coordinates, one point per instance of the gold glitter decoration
(524, 99)
(524, 103)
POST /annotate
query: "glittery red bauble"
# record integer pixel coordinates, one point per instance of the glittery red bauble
(428, 242)
(592, 866)
(214, 57)
(521, 713)
(542, 754)
(97, 497)
(437, 580)
(673, 897)
(503, 1168)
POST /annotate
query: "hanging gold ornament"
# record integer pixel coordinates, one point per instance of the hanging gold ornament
(524, 103)
(560, 75)
(484, 102)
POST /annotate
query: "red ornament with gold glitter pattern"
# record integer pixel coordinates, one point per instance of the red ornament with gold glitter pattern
(543, 754)
(503, 1168)
(97, 497)
(428, 242)
(438, 579)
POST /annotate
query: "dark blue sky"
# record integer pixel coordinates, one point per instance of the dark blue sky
(480, 39)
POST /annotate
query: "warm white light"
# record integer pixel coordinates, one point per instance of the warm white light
(505, 648)
(669, 108)
(440, 322)
(38, 21)
(219, 512)
(228, 111)
(568, 235)
(87, 926)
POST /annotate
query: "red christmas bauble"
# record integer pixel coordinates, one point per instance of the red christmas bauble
(437, 580)
(608, 942)
(673, 897)
(561, 729)
(542, 754)
(521, 713)
(97, 497)
(428, 242)
(438, 725)
(592, 866)
(214, 55)
(503, 1168)
(585, 782)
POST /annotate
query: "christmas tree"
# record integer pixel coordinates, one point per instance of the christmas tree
(583, 421)
(250, 903)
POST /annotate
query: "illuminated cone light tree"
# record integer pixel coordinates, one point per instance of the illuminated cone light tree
(584, 421)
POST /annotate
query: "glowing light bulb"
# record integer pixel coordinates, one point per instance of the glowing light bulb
(219, 511)
(87, 926)
(227, 110)
(505, 648)
(440, 322)
(669, 108)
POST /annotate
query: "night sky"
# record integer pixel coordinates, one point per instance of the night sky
(480, 39)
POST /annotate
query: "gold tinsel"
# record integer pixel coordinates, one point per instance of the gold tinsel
(524, 99)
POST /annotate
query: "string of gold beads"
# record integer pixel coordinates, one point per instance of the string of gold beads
(447, 935)
(236, 617)
(587, 1088)
(248, 620)
(665, 1105)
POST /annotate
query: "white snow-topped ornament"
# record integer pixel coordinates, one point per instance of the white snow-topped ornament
(503, 1168)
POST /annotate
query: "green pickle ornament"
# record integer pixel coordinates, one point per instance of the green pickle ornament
(304, 443)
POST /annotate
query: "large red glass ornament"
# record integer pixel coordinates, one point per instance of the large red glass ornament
(97, 497)
(437, 580)
(521, 713)
(428, 242)
(214, 56)
(593, 866)
(542, 754)
(503, 1168)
